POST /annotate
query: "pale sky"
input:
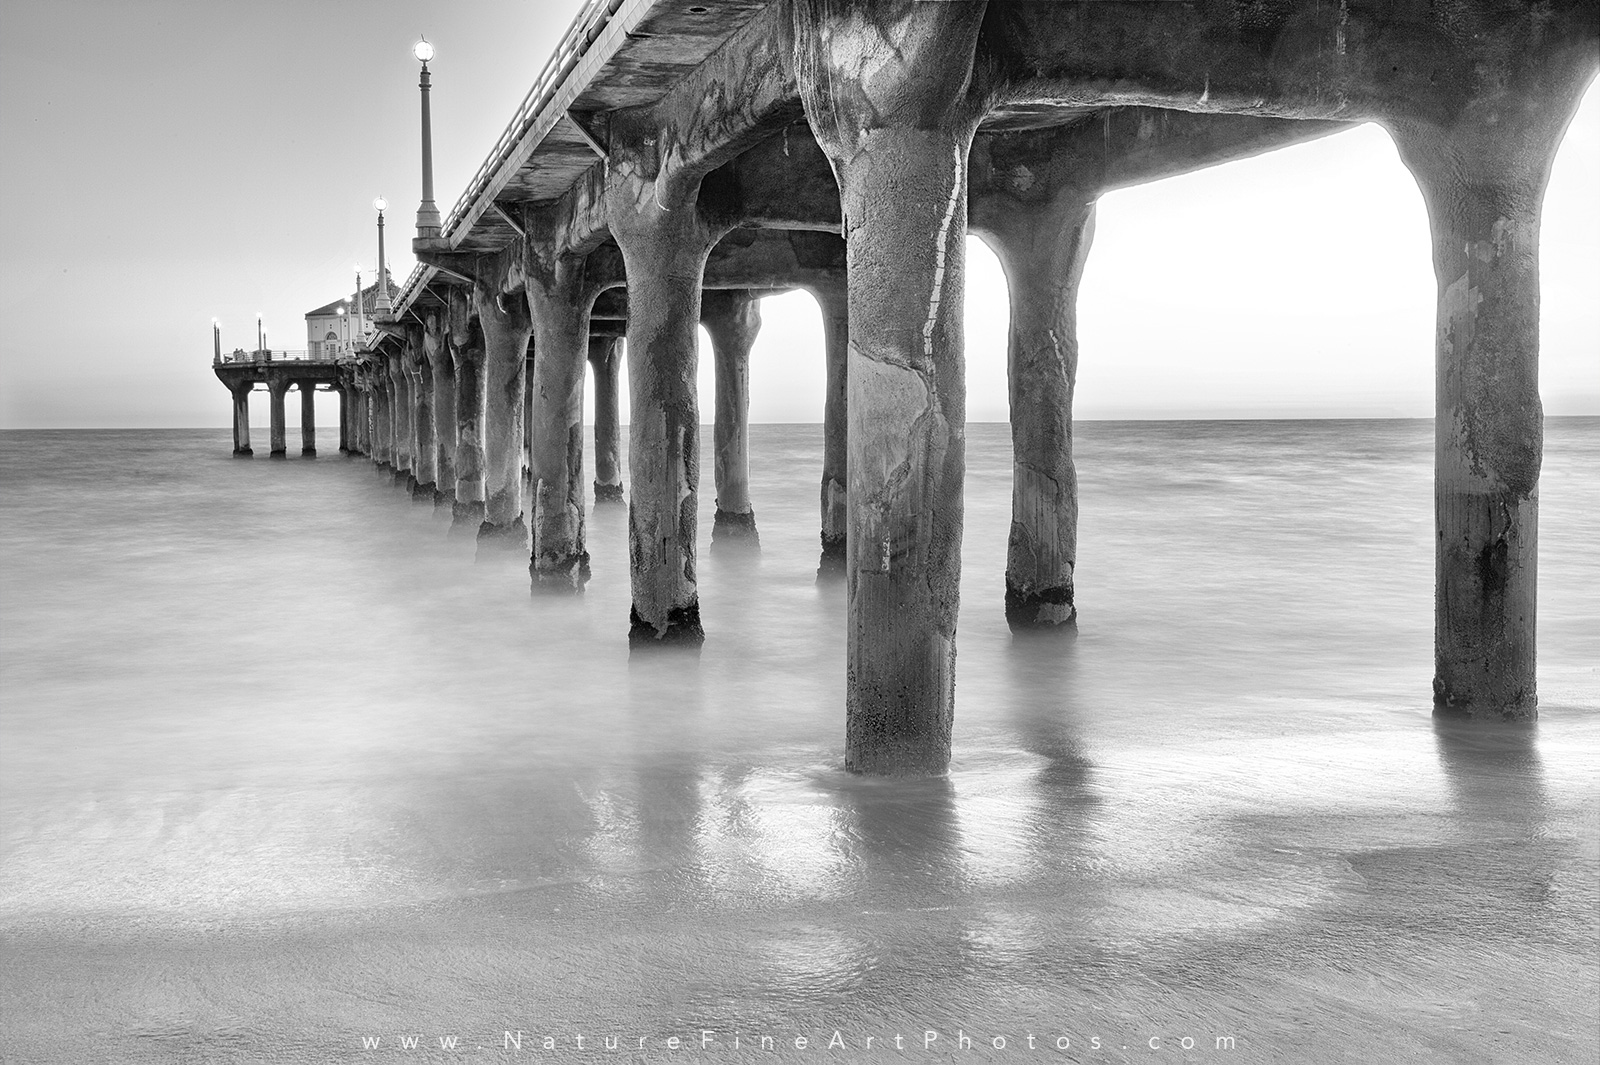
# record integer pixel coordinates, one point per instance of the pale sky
(165, 162)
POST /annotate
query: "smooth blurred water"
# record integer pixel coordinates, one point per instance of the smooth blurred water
(283, 768)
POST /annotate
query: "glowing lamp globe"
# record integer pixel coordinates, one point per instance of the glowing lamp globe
(381, 204)
(422, 50)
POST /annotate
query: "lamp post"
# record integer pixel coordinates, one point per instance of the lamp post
(383, 307)
(427, 212)
(360, 303)
(261, 336)
(216, 339)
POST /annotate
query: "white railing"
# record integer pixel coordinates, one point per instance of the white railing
(240, 356)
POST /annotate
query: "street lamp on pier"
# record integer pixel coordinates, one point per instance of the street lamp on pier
(261, 335)
(383, 307)
(427, 213)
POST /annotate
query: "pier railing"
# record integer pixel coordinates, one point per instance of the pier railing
(267, 355)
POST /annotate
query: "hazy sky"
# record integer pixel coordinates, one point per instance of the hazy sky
(165, 162)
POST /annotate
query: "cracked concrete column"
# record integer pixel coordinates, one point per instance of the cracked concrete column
(467, 355)
(835, 304)
(1042, 247)
(425, 456)
(241, 419)
(506, 329)
(1483, 177)
(560, 302)
(888, 91)
(276, 388)
(664, 249)
(604, 361)
(401, 436)
(308, 418)
(732, 319)
(435, 350)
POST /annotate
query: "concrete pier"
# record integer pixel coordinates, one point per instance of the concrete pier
(560, 301)
(664, 248)
(834, 300)
(604, 362)
(308, 418)
(732, 153)
(276, 390)
(419, 378)
(507, 328)
(241, 418)
(732, 319)
(898, 142)
(435, 350)
(467, 355)
(344, 418)
(1483, 176)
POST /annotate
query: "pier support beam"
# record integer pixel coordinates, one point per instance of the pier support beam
(732, 319)
(402, 438)
(343, 391)
(419, 379)
(241, 419)
(276, 389)
(888, 95)
(308, 417)
(1042, 247)
(506, 329)
(664, 249)
(560, 302)
(435, 349)
(605, 362)
(1483, 177)
(466, 356)
(834, 300)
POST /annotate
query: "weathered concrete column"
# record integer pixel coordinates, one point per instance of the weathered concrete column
(308, 418)
(382, 419)
(835, 304)
(506, 329)
(1042, 248)
(241, 419)
(435, 350)
(732, 319)
(402, 437)
(664, 249)
(889, 94)
(419, 379)
(467, 355)
(343, 392)
(1483, 178)
(527, 414)
(604, 361)
(276, 389)
(560, 302)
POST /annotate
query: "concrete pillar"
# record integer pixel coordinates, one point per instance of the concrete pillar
(343, 391)
(308, 418)
(382, 420)
(1042, 248)
(664, 250)
(1483, 178)
(506, 328)
(560, 303)
(275, 393)
(425, 457)
(241, 419)
(897, 127)
(466, 354)
(835, 304)
(527, 415)
(402, 435)
(436, 350)
(604, 361)
(732, 319)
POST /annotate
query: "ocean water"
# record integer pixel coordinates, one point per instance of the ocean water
(289, 777)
